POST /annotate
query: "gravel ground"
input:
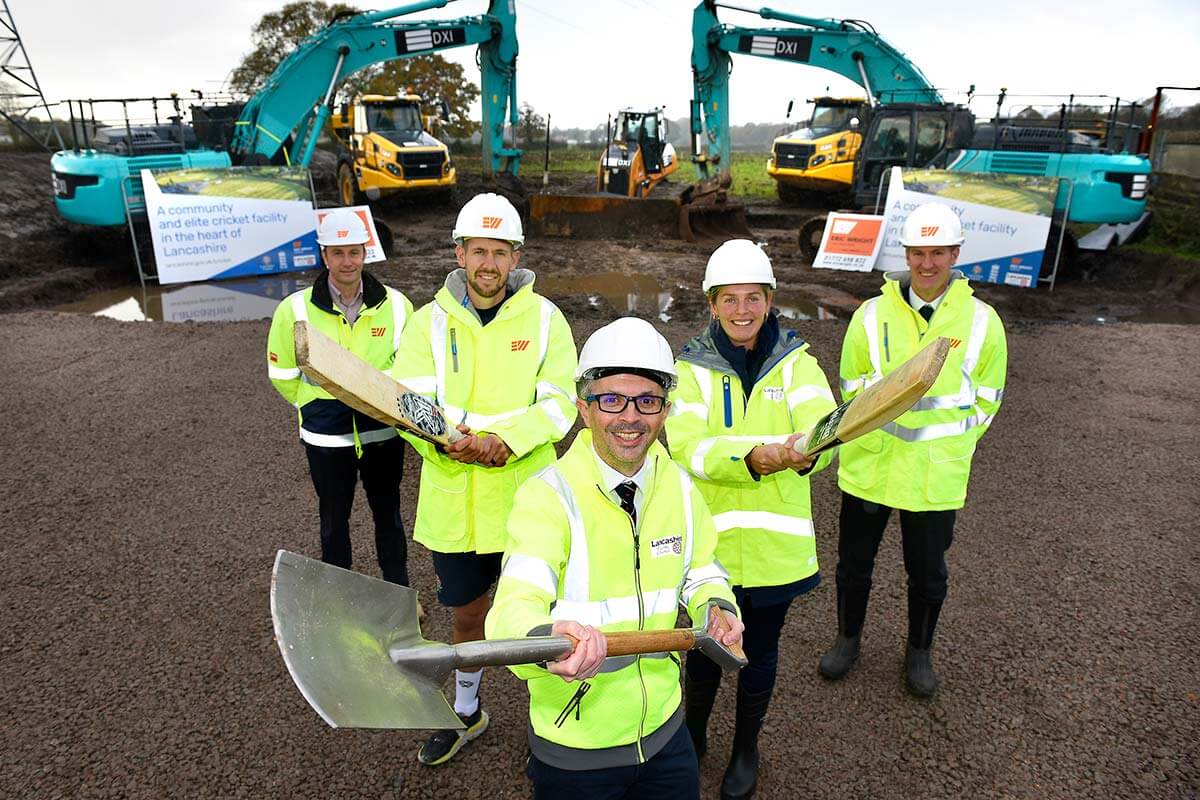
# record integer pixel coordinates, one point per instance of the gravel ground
(150, 474)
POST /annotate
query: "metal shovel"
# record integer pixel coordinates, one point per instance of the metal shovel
(353, 646)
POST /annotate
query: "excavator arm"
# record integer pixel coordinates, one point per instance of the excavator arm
(848, 47)
(297, 99)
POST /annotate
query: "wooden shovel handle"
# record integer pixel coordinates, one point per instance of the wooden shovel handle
(627, 643)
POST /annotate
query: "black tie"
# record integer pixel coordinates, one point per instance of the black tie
(926, 312)
(626, 491)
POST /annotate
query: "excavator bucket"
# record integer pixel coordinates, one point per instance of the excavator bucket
(701, 212)
(603, 216)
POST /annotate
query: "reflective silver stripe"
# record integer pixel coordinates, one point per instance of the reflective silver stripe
(575, 583)
(547, 399)
(617, 663)
(698, 457)
(480, 421)
(281, 374)
(437, 344)
(939, 431)
(979, 320)
(398, 314)
(300, 306)
(939, 403)
(615, 610)
(544, 330)
(713, 572)
(789, 366)
(689, 523)
(533, 571)
(684, 407)
(421, 384)
(869, 322)
(809, 391)
(989, 394)
(704, 381)
(327, 439)
(378, 435)
(851, 386)
(767, 520)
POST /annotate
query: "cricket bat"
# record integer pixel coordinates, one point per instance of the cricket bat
(364, 388)
(880, 403)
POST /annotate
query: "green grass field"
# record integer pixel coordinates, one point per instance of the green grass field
(750, 177)
(269, 183)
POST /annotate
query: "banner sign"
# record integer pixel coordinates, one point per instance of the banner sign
(850, 241)
(374, 248)
(212, 224)
(1006, 220)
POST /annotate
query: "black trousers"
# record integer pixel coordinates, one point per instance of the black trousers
(335, 472)
(925, 538)
(671, 772)
(760, 641)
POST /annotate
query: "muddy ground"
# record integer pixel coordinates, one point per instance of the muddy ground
(150, 473)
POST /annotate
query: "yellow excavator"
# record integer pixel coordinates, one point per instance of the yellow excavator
(386, 147)
(816, 162)
(637, 156)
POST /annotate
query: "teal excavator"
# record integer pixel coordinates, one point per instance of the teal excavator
(94, 184)
(908, 123)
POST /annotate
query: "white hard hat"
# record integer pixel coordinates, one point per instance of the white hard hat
(489, 216)
(932, 225)
(342, 226)
(630, 345)
(738, 261)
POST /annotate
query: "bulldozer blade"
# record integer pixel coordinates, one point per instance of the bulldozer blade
(336, 630)
(603, 216)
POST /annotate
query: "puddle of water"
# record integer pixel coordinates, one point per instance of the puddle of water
(639, 293)
(226, 301)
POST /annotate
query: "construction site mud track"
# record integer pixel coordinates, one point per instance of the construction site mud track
(150, 473)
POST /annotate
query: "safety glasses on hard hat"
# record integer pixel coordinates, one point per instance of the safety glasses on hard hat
(614, 403)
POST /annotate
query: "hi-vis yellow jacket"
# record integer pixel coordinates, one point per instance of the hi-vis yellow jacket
(513, 377)
(921, 462)
(574, 554)
(373, 337)
(765, 523)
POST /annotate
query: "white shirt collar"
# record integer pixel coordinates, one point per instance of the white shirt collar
(610, 479)
(917, 303)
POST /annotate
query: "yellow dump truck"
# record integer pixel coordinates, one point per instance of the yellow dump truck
(386, 147)
(818, 159)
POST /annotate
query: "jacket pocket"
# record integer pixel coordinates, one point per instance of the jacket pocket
(860, 459)
(949, 468)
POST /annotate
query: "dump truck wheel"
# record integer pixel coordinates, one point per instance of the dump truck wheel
(810, 236)
(347, 184)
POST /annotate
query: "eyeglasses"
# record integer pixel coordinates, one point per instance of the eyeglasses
(613, 403)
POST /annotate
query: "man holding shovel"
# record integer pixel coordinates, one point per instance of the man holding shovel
(612, 537)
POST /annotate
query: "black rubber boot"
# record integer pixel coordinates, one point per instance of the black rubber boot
(918, 672)
(840, 657)
(741, 776)
(918, 666)
(698, 699)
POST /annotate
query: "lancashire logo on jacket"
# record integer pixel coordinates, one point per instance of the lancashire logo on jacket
(519, 344)
(668, 545)
(378, 331)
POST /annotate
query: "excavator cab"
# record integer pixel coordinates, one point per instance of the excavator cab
(638, 157)
(907, 135)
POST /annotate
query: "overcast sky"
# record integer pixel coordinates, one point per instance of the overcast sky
(580, 60)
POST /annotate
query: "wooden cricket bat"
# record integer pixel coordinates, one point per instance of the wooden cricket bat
(364, 388)
(880, 403)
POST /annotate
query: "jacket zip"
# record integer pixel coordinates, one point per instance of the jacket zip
(637, 588)
(887, 352)
(454, 347)
(728, 401)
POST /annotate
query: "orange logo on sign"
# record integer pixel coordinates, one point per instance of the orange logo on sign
(929, 230)
(492, 222)
(852, 237)
(378, 331)
(519, 344)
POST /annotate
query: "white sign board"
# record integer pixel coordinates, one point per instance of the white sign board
(212, 224)
(1005, 236)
